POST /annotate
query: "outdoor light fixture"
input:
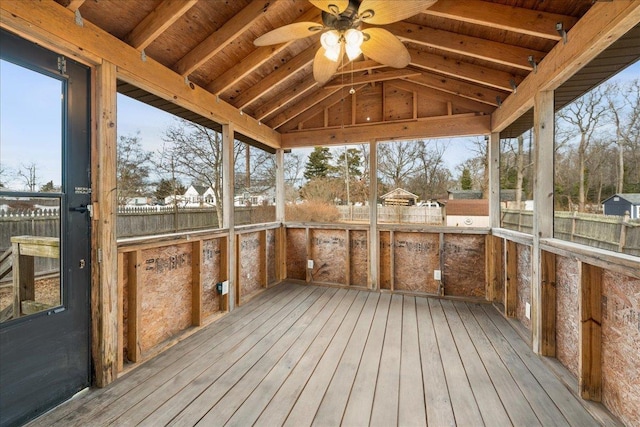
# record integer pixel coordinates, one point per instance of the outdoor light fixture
(333, 40)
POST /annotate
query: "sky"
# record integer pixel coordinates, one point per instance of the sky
(28, 98)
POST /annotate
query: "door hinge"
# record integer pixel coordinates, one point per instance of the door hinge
(62, 65)
(99, 256)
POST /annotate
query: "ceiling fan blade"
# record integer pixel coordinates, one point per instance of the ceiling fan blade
(331, 6)
(386, 12)
(297, 30)
(323, 67)
(385, 48)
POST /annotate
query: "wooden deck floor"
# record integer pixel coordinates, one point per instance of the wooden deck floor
(306, 355)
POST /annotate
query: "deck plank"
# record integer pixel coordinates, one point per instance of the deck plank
(309, 355)
(280, 406)
(436, 391)
(281, 355)
(309, 400)
(545, 409)
(385, 403)
(567, 402)
(358, 410)
(226, 366)
(465, 407)
(335, 399)
(411, 410)
(136, 385)
(489, 403)
(517, 406)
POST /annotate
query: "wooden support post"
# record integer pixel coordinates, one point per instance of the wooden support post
(548, 304)
(228, 213)
(307, 238)
(590, 363)
(543, 128)
(442, 283)
(373, 281)
(264, 271)
(496, 261)
(122, 275)
(490, 268)
(511, 285)
(236, 273)
(196, 283)
(135, 307)
(23, 280)
(280, 193)
(105, 319)
(224, 271)
(494, 180)
(347, 261)
(392, 261)
(281, 251)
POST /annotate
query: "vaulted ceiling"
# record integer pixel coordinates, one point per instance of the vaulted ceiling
(467, 57)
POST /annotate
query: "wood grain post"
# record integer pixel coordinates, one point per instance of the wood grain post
(511, 285)
(105, 317)
(494, 180)
(134, 351)
(590, 360)
(196, 283)
(228, 214)
(373, 280)
(122, 276)
(544, 152)
(548, 304)
(224, 271)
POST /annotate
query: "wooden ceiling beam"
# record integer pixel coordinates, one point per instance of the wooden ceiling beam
(277, 77)
(303, 111)
(375, 77)
(439, 96)
(75, 5)
(255, 59)
(155, 23)
(432, 127)
(366, 65)
(463, 70)
(460, 88)
(49, 21)
(474, 47)
(602, 25)
(288, 96)
(221, 38)
(516, 19)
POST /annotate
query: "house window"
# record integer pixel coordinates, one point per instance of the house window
(616, 199)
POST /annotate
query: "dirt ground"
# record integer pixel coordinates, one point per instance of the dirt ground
(47, 291)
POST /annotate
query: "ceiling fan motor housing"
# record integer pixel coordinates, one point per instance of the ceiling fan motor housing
(345, 20)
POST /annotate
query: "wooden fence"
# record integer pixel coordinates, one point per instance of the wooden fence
(393, 214)
(614, 233)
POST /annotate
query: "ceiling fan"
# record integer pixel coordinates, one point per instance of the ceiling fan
(342, 33)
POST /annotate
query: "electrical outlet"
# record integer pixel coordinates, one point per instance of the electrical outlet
(527, 310)
(437, 275)
(309, 264)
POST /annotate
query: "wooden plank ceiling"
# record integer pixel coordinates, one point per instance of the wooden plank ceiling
(467, 56)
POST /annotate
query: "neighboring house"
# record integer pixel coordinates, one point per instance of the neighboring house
(195, 196)
(467, 213)
(620, 203)
(464, 194)
(399, 197)
(250, 198)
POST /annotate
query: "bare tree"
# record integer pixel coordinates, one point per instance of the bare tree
(586, 115)
(398, 162)
(28, 173)
(133, 168)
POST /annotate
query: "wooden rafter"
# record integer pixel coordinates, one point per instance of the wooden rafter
(494, 15)
(303, 111)
(288, 96)
(460, 88)
(254, 60)
(463, 70)
(376, 77)
(75, 5)
(277, 77)
(487, 50)
(222, 37)
(432, 127)
(154, 24)
(439, 96)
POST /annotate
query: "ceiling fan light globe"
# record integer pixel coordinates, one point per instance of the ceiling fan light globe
(353, 37)
(330, 40)
(352, 51)
(333, 53)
